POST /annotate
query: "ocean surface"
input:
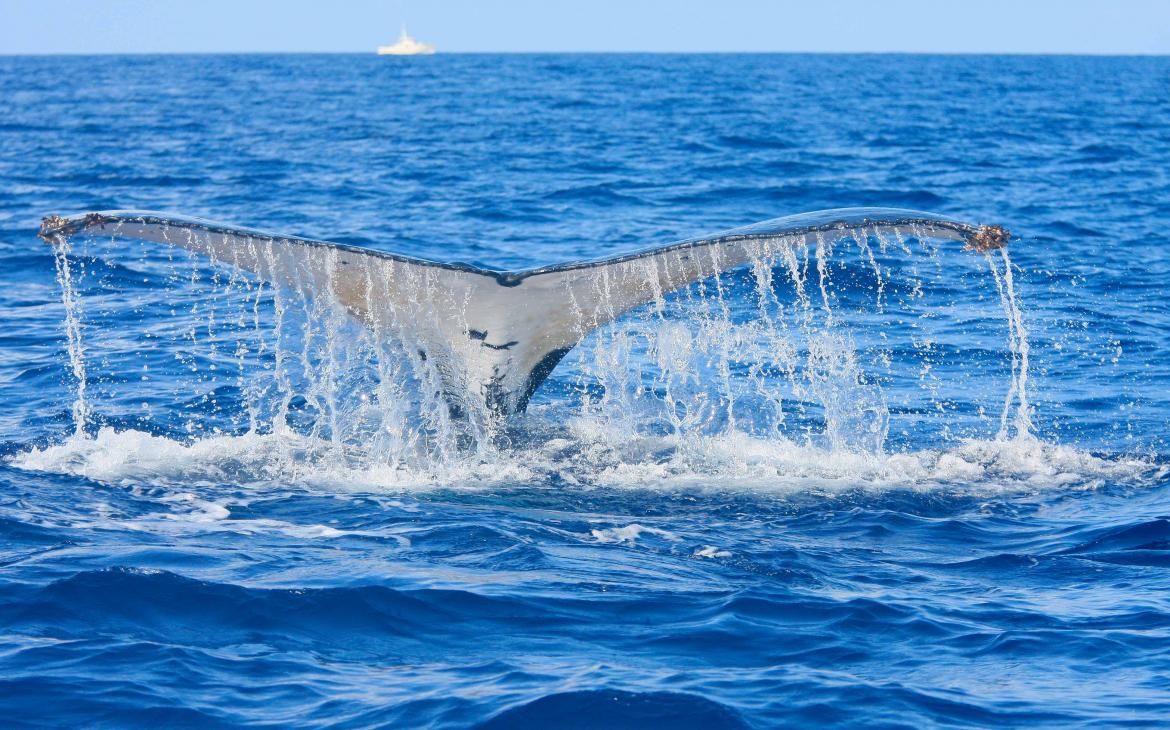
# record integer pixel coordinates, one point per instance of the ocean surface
(885, 484)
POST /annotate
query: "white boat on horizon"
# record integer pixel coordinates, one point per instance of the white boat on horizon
(406, 46)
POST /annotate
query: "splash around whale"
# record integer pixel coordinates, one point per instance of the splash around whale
(490, 338)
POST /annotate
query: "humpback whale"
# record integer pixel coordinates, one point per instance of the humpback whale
(495, 336)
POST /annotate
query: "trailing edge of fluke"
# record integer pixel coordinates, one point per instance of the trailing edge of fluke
(494, 336)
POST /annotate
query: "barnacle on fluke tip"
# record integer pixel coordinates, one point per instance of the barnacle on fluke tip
(989, 238)
(55, 227)
(52, 228)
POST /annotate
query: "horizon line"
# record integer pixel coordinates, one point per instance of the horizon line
(373, 52)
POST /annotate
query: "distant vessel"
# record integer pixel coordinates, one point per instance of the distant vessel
(406, 46)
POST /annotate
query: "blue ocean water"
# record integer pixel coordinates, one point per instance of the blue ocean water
(173, 565)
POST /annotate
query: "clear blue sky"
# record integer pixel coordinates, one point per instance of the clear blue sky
(998, 26)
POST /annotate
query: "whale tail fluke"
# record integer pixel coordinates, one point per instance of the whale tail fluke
(495, 336)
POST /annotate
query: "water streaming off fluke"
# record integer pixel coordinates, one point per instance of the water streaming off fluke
(834, 332)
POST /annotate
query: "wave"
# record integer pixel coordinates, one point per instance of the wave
(164, 605)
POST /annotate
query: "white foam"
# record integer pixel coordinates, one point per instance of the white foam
(710, 551)
(629, 534)
(744, 462)
(132, 457)
(722, 462)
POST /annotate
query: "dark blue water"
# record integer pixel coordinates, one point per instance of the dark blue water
(169, 567)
